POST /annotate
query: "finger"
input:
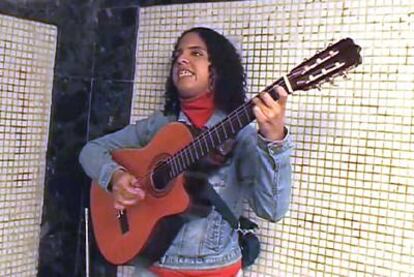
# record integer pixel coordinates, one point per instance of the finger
(128, 192)
(140, 194)
(128, 202)
(260, 102)
(263, 112)
(270, 109)
(267, 100)
(260, 116)
(130, 189)
(129, 196)
(283, 95)
(137, 184)
(118, 206)
(119, 199)
(136, 189)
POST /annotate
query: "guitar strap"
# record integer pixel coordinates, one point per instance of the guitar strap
(221, 206)
(248, 241)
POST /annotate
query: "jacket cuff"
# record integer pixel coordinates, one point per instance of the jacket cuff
(106, 174)
(275, 146)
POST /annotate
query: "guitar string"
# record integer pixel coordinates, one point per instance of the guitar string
(202, 138)
(199, 141)
(231, 118)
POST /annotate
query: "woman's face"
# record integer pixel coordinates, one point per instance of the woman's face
(191, 74)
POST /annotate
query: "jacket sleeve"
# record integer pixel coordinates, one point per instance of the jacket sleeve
(265, 168)
(95, 157)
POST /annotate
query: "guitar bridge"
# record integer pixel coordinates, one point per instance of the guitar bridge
(123, 221)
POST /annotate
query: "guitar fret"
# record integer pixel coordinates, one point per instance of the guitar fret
(231, 126)
(246, 112)
(238, 120)
(196, 152)
(183, 158)
(215, 131)
(225, 133)
(209, 143)
(174, 167)
(211, 137)
(206, 144)
(180, 166)
(191, 156)
(201, 148)
(221, 137)
(172, 172)
(186, 159)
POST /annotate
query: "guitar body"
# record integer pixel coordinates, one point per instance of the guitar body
(121, 240)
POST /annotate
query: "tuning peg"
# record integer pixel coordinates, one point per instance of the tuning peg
(332, 82)
(346, 76)
(318, 87)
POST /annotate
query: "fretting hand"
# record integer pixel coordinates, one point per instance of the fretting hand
(270, 114)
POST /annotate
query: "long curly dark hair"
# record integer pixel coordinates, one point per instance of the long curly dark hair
(226, 73)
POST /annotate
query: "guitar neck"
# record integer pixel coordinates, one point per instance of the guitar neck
(217, 135)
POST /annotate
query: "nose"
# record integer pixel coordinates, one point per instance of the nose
(182, 59)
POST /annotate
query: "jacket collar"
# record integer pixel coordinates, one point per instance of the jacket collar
(217, 116)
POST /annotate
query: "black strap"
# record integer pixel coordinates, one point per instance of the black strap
(221, 206)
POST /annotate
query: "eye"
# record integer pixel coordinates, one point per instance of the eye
(197, 53)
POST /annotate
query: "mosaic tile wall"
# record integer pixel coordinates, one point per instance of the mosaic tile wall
(27, 53)
(352, 211)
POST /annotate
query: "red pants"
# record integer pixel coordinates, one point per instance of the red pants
(228, 271)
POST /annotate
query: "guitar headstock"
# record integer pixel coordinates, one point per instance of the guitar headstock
(335, 60)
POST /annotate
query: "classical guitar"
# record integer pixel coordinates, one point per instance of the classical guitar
(147, 229)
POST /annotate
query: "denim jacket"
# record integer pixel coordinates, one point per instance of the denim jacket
(258, 171)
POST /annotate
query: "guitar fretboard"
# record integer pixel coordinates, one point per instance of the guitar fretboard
(215, 136)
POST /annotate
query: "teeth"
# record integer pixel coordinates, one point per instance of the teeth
(184, 73)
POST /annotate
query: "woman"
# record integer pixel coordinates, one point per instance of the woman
(206, 83)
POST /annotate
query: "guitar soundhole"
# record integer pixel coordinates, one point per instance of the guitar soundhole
(161, 175)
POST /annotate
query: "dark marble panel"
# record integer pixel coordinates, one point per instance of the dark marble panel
(65, 189)
(128, 3)
(10, 7)
(111, 106)
(144, 3)
(116, 43)
(56, 12)
(117, 3)
(36, 12)
(67, 134)
(74, 13)
(76, 36)
(74, 58)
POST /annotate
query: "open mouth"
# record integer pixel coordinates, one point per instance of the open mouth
(182, 73)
